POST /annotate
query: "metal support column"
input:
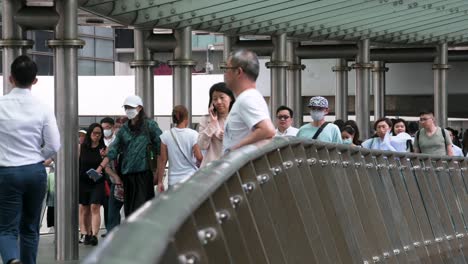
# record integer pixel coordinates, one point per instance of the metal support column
(278, 66)
(440, 69)
(66, 47)
(294, 85)
(12, 42)
(144, 77)
(378, 83)
(182, 70)
(363, 68)
(341, 99)
(228, 41)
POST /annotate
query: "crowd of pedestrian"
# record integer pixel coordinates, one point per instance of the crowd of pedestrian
(120, 161)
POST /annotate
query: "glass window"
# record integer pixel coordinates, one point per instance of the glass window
(88, 48)
(86, 30)
(86, 67)
(104, 49)
(45, 64)
(104, 68)
(40, 39)
(104, 32)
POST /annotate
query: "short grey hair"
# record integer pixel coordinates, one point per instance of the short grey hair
(248, 61)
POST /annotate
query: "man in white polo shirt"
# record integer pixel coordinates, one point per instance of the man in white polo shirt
(29, 135)
(249, 119)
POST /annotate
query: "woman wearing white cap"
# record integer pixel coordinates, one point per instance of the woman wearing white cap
(131, 142)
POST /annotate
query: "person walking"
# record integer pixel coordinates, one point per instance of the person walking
(179, 146)
(138, 142)
(431, 139)
(30, 128)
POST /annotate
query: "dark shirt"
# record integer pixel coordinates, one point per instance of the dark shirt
(132, 145)
(90, 158)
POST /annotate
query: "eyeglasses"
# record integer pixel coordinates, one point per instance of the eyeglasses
(283, 117)
(96, 133)
(424, 119)
(226, 68)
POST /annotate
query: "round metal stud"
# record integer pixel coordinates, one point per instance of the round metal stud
(312, 161)
(357, 164)
(427, 242)
(299, 162)
(345, 164)
(369, 166)
(396, 252)
(288, 164)
(207, 235)
(263, 178)
(248, 187)
(276, 170)
(334, 163)
(376, 259)
(323, 163)
(188, 259)
(417, 244)
(406, 248)
(416, 167)
(235, 201)
(222, 216)
(386, 255)
(459, 236)
(438, 239)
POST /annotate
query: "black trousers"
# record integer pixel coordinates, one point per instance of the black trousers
(138, 189)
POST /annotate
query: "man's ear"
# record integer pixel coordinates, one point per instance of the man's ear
(35, 81)
(12, 80)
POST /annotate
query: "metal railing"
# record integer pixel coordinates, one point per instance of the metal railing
(294, 201)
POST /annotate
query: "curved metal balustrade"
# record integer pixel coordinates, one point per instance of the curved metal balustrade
(295, 201)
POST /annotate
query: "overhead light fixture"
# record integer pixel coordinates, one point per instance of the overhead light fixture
(41, 3)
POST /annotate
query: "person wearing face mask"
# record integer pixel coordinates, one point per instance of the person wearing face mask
(319, 129)
(348, 135)
(111, 205)
(131, 143)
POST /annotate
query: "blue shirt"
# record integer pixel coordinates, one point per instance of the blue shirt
(330, 133)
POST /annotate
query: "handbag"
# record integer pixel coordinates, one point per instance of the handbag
(119, 192)
(151, 156)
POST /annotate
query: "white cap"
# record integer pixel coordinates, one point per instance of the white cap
(133, 101)
(82, 131)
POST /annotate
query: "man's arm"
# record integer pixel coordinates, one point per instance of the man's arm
(51, 136)
(262, 130)
(449, 150)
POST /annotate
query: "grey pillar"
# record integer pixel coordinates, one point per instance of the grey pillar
(294, 84)
(440, 69)
(12, 42)
(144, 77)
(228, 41)
(341, 99)
(182, 70)
(378, 83)
(278, 66)
(363, 67)
(65, 47)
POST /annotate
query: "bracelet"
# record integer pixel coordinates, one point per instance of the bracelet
(101, 166)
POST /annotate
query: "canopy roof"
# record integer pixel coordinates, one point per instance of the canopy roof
(387, 21)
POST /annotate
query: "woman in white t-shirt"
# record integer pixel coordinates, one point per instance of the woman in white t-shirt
(179, 146)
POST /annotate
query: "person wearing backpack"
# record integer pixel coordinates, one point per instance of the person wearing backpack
(431, 139)
(319, 129)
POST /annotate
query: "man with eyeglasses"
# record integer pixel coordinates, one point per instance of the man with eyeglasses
(249, 119)
(284, 119)
(431, 139)
(319, 129)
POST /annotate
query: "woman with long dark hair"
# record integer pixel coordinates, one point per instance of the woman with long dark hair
(91, 192)
(132, 143)
(381, 140)
(211, 130)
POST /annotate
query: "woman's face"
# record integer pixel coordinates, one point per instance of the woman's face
(345, 135)
(382, 129)
(96, 134)
(221, 102)
(399, 128)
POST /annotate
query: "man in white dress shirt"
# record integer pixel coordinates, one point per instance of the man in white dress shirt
(284, 119)
(29, 135)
